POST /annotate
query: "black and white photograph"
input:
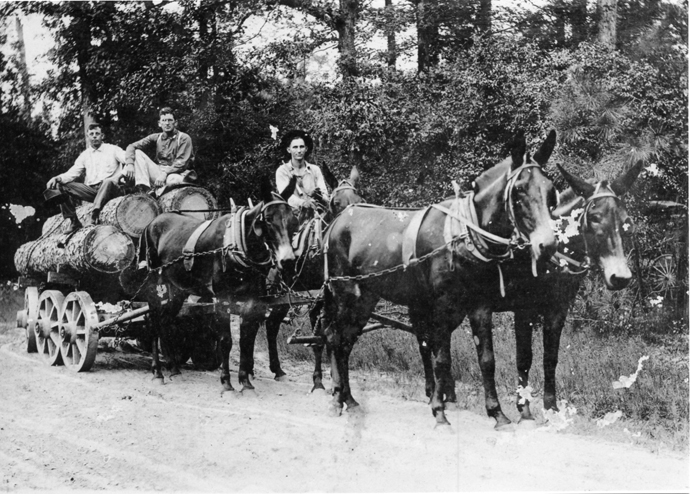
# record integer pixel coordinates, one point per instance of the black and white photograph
(344, 246)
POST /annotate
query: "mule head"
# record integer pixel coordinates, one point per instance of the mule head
(604, 224)
(345, 193)
(530, 196)
(273, 220)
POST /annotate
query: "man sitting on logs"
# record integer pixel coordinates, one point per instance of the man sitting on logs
(174, 155)
(100, 168)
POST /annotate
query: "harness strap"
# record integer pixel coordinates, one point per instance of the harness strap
(409, 240)
(234, 238)
(190, 246)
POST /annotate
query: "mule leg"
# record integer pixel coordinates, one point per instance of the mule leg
(480, 320)
(224, 330)
(524, 321)
(418, 319)
(272, 328)
(317, 326)
(252, 316)
(154, 320)
(440, 348)
(553, 327)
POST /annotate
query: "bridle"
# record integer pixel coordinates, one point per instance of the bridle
(343, 185)
(235, 238)
(600, 192)
(519, 239)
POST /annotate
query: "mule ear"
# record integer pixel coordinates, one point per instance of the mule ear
(266, 189)
(623, 183)
(354, 176)
(253, 217)
(544, 153)
(518, 150)
(580, 186)
(289, 188)
(328, 177)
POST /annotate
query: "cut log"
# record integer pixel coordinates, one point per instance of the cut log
(96, 248)
(58, 224)
(131, 213)
(187, 200)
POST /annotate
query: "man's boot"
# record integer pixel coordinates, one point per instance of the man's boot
(74, 225)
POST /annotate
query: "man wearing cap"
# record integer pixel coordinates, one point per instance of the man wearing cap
(93, 177)
(174, 156)
(296, 144)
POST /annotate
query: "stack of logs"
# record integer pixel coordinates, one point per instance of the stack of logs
(109, 246)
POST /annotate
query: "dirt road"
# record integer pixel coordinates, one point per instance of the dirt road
(114, 429)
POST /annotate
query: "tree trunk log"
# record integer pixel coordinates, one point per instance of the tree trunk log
(187, 200)
(131, 213)
(58, 224)
(96, 248)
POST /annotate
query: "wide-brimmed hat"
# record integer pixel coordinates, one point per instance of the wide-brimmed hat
(295, 134)
(54, 197)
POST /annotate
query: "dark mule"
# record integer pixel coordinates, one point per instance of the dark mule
(439, 261)
(603, 221)
(232, 256)
(309, 264)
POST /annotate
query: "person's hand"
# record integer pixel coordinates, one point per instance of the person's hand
(308, 203)
(53, 182)
(128, 173)
(159, 182)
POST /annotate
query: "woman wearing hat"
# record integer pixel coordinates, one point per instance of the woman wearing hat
(296, 144)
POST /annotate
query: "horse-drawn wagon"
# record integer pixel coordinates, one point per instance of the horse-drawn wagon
(76, 285)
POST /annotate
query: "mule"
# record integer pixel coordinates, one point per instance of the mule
(228, 258)
(598, 244)
(309, 273)
(439, 261)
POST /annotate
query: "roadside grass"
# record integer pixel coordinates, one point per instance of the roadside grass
(655, 409)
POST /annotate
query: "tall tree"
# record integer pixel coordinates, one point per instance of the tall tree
(391, 44)
(23, 70)
(427, 34)
(608, 18)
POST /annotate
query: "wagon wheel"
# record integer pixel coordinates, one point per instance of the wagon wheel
(26, 318)
(663, 279)
(78, 338)
(47, 326)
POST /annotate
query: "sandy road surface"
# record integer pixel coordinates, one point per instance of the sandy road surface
(114, 429)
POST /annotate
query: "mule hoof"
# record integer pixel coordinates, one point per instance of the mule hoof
(227, 387)
(509, 427)
(281, 378)
(158, 380)
(443, 428)
(248, 391)
(441, 419)
(527, 424)
(318, 390)
(335, 410)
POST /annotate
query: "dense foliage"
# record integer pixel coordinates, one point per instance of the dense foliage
(485, 76)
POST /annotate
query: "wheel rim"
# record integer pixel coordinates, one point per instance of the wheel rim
(28, 318)
(663, 275)
(47, 326)
(78, 336)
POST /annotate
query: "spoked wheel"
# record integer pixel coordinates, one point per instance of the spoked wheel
(26, 318)
(78, 336)
(47, 326)
(663, 276)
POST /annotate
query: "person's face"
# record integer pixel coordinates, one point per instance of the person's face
(95, 137)
(167, 122)
(297, 149)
